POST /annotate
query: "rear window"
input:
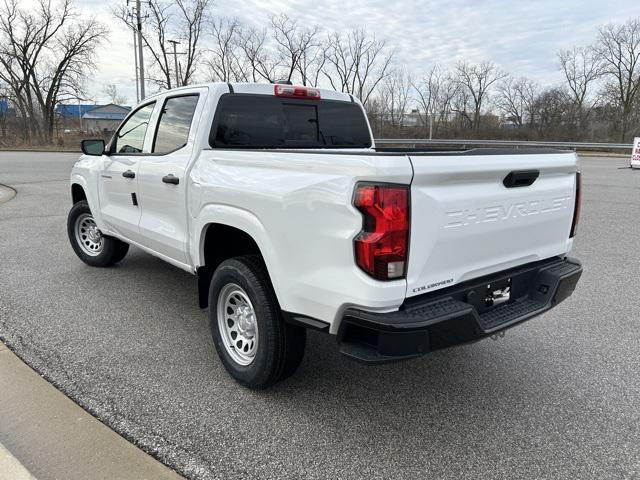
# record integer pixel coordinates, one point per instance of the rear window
(261, 121)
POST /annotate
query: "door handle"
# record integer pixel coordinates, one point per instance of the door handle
(173, 180)
(129, 174)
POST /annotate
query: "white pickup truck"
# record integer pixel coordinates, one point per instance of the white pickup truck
(277, 199)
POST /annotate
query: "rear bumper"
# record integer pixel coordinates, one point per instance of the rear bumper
(458, 314)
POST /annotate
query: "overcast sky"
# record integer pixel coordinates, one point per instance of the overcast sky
(522, 37)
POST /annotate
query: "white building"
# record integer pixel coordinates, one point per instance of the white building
(104, 118)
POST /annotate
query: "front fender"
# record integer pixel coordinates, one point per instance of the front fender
(85, 173)
(91, 192)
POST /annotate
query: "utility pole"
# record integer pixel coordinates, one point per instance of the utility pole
(175, 60)
(430, 125)
(135, 58)
(140, 56)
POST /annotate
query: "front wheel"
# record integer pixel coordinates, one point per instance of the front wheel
(254, 343)
(91, 246)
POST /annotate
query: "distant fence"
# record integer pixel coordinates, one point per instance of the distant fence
(414, 142)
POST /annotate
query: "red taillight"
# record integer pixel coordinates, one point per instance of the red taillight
(576, 209)
(293, 91)
(383, 244)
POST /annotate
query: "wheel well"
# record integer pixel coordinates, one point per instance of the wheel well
(77, 193)
(221, 242)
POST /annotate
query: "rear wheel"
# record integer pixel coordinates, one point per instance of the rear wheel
(91, 246)
(254, 343)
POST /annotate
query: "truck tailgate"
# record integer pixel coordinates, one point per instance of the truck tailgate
(466, 223)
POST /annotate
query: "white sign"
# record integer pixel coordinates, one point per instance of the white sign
(635, 153)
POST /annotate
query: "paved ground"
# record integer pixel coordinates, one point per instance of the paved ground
(558, 397)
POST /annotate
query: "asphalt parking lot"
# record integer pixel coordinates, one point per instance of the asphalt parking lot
(557, 397)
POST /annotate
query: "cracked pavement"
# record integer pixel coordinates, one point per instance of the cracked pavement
(557, 397)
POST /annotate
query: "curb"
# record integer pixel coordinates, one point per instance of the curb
(57, 438)
(7, 193)
(11, 468)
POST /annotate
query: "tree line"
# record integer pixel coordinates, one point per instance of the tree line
(47, 54)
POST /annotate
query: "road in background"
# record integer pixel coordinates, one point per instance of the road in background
(558, 397)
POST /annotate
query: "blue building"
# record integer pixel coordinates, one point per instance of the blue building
(73, 111)
(95, 118)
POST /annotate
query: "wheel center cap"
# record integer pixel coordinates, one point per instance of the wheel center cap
(246, 323)
(94, 234)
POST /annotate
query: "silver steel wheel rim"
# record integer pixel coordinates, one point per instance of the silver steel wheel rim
(237, 324)
(88, 235)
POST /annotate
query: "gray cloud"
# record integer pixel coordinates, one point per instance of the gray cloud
(520, 36)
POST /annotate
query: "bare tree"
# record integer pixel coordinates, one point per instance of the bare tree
(375, 114)
(619, 48)
(551, 110)
(226, 61)
(358, 63)
(111, 92)
(516, 98)
(427, 91)
(582, 67)
(298, 49)
(190, 28)
(259, 58)
(477, 79)
(434, 94)
(509, 101)
(45, 53)
(182, 21)
(394, 98)
(285, 34)
(529, 91)
(446, 95)
(462, 107)
(312, 58)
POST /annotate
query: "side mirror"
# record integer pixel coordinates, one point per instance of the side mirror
(93, 147)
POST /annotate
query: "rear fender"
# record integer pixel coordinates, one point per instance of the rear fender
(242, 220)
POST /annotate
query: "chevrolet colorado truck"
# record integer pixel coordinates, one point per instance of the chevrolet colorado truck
(276, 197)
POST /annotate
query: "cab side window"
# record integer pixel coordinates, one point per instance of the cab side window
(130, 137)
(174, 123)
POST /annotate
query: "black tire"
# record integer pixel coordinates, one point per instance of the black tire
(111, 251)
(122, 248)
(280, 347)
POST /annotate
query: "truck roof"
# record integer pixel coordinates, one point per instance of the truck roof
(261, 89)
